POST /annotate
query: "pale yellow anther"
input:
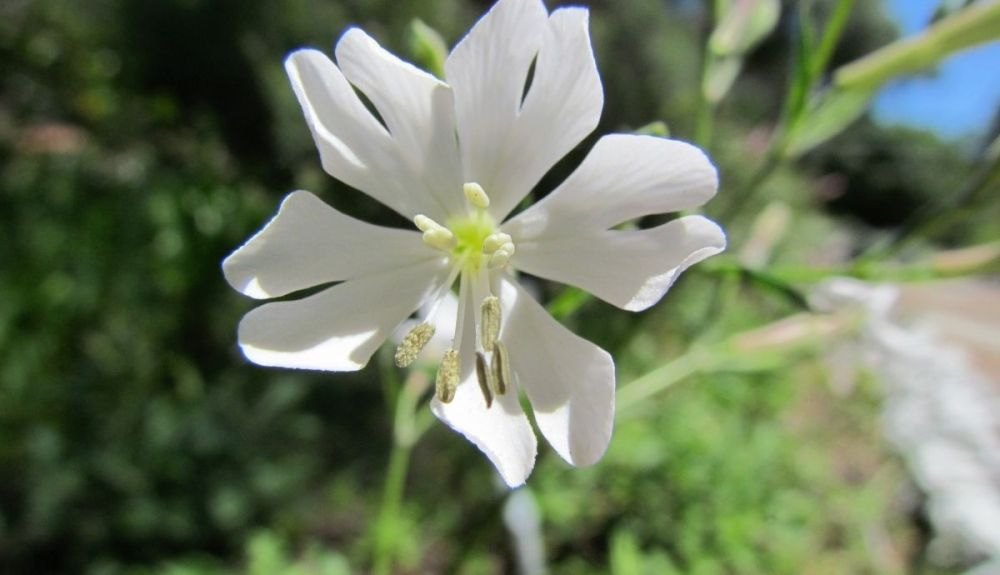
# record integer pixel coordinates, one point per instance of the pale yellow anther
(441, 239)
(435, 235)
(447, 377)
(493, 242)
(500, 257)
(489, 325)
(476, 195)
(413, 343)
(424, 223)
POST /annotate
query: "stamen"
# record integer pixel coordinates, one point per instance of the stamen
(435, 235)
(500, 257)
(501, 368)
(447, 377)
(485, 377)
(413, 343)
(493, 242)
(476, 195)
(489, 324)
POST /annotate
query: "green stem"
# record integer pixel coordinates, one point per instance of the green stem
(831, 37)
(762, 349)
(407, 429)
(392, 499)
(661, 378)
(795, 108)
(772, 160)
(950, 210)
(705, 113)
(972, 26)
(705, 122)
(982, 258)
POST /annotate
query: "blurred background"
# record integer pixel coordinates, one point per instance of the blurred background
(773, 419)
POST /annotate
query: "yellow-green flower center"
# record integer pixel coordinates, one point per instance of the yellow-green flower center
(471, 238)
(470, 232)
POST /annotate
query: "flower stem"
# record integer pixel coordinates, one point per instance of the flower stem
(661, 378)
(764, 348)
(407, 429)
(970, 27)
(386, 530)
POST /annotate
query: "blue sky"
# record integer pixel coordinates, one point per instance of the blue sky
(958, 99)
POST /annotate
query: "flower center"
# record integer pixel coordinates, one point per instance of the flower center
(470, 232)
(470, 240)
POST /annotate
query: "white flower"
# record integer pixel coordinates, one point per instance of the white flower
(456, 158)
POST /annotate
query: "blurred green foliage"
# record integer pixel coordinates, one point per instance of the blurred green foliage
(140, 142)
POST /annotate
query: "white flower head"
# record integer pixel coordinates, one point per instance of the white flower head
(456, 158)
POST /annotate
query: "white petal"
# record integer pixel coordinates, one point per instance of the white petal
(570, 381)
(309, 243)
(487, 70)
(502, 432)
(508, 147)
(561, 108)
(337, 329)
(419, 111)
(630, 269)
(354, 147)
(622, 178)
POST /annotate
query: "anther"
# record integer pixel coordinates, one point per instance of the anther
(489, 324)
(447, 377)
(476, 195)
(501, 368)
(485, 377)
(435, 235)
(493, 242)
(501, 256)
(413, 343)
(424, 223)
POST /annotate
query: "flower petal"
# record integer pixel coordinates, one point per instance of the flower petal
(309, 243)
(622, 178)
(487, 70)
(630, 269)
(570, 381)
(561, 108)
(419, 111)
(353, 146)
(337, 329)
(508, 145)
(502, 432)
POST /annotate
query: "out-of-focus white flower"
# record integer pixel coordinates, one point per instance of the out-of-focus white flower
(456, 158)
(941, 414)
